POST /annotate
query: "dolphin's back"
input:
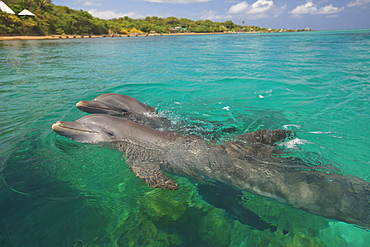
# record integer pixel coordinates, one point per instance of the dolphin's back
(328, 193)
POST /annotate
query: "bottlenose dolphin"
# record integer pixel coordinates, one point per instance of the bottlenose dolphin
(246, 167)
(124, 106)
(131, 108)
(128, 107)
(114, 104)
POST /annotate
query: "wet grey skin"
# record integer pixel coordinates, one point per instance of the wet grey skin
(124, 106)
(246, 167)
(128, 107)
(133, 109)
(114, 104)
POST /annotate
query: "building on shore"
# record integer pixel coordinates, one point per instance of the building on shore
(5, 8)
(178, 30)
(26, 12)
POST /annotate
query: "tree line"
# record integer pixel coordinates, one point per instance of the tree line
(54, 19)
(49, 19)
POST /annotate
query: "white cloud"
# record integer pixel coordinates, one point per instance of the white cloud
(304, 9)
(90, 2)
(177, 1)
(358, 3)
(212, 15)
(261, 9)
(238, 8)
(260, 6)
(329, 9)
(109, 14)
(310, 8)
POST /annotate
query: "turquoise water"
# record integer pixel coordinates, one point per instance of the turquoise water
(55, 192)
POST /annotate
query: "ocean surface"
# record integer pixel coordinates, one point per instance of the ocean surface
(56, 192)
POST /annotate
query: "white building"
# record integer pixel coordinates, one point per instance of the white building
(26, 12)
(5, 8)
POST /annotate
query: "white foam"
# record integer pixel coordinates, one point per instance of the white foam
(320, 132)
(291, 125)
(151, 114)
(294, 143)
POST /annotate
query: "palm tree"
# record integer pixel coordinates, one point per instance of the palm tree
(42, 4)
(33, 5)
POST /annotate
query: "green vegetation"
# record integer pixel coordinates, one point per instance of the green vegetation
(49, 19)
(54, 19)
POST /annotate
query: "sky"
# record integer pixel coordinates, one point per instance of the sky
(290, 14)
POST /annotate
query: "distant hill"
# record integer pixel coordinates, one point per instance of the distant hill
(54, 19)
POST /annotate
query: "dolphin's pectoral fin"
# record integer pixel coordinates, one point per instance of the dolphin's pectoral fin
(152, 175)
(266, 136)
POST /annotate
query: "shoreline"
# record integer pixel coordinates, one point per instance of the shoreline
(49, 37)
(52, 37)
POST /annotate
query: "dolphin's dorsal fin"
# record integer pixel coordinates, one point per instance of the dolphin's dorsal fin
(151, 174)
(265, 136)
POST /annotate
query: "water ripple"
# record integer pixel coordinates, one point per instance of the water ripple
(57, 192)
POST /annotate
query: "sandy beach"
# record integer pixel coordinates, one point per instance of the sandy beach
(49, 37)
(91, 36)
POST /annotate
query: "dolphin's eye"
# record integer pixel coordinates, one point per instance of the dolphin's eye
(110, 133)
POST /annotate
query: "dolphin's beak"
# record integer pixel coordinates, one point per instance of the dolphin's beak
(85, 103)
(63, 126)
(94, 106)
(75, 131)
(90, 106)
(57, 126)
(80, 103)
